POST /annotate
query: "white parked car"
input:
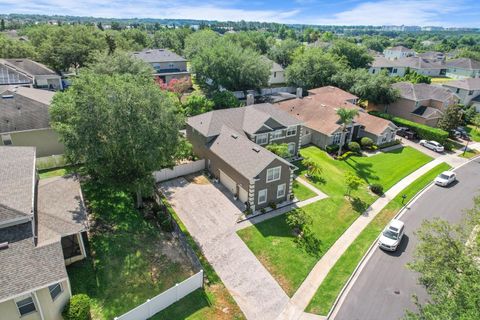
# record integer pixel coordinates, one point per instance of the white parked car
(445, 178)
(392, 235)
(432, 145)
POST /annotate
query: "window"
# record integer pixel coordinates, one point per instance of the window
(273, 174)
(262, 196)
(373, 70)
(55, 290)
(394, 70)
(291, 148)
(278, 134)
(458, 90)
(171, 65)
(261, 138)
(470, 92)
(291, 131)
(274, 74)
(336, 138)
(281, 191)
(7, 140)
(26, 306)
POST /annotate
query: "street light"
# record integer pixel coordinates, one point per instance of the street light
(466, 147)
(403, 198)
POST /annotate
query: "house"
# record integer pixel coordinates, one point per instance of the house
(421, 103)
(233, 141)
(25, 72)
(400, 66)
(433, 56)
(462, 68)
(277, 73)
(398, 52)
(167, 64)
(321, 125)
(468, 91)
(42, 229)
(25, 120)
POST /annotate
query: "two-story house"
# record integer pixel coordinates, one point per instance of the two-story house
(398, 67)
(25, 72)
(467, 90)
(42, 229)
(167, 64)
(233, 143)
(398, 52)
(462, 68)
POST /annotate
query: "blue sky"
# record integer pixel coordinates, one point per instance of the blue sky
(461, 13)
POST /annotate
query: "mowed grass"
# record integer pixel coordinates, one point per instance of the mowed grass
(274, 244)
(301, 192)
(57, 172)
(339, 274)
(440, 80)
(473, 132)
(130, 259)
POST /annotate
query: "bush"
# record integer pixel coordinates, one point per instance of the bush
(346, 155)
(423, 131)
(389, 144)
(366, 143)
(332, 148)
(78, 308)
(273, 205)
(377, 189)
(354, 146)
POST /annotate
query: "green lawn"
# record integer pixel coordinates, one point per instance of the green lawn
(130, 258)
(440, 80)
(49, 173)
(339, 274)
(273, 242)
(470, 153)
(473, 132)
(301, 192)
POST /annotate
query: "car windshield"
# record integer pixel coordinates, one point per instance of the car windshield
(444, 176)
(390, 234)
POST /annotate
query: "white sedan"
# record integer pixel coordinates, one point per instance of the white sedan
(392, 235)
(432, 145)
(445, 178)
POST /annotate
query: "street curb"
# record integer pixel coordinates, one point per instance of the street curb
(367, 255)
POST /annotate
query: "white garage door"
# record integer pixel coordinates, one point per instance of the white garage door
(228, 182)
(243, 195)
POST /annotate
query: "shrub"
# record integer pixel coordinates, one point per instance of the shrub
(423, 131)
(78, 308)
(346, 155)
(354, 146)
(273, 205)
(366, 142)
(263, 210)
(389, 144)
(377, 189)
(332, 148)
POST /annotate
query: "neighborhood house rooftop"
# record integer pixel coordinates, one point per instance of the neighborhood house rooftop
(158, 55)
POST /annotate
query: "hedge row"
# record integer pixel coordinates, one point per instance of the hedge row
(423, 131)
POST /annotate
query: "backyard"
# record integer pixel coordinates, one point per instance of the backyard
(272, 241)
(473, 132)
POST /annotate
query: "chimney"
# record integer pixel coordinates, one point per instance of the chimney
(299, 92)
(250, 99)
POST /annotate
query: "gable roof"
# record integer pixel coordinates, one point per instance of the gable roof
(248, 119)
(158, 55)
(423, 91)
(408, 62)
(332, 95)
(242, 154)
(17, 173)
(24, 109)
(28, 67)
(275, 66)
(466, 84)
(400, 48)
(428, 112)
(464, 63)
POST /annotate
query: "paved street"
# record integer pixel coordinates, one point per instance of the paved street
(384, 287)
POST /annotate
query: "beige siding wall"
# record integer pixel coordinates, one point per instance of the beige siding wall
(45, 140)
(320, 140)
(277, 77)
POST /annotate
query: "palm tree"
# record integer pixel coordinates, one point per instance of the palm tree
(346, 118)
(313, 168)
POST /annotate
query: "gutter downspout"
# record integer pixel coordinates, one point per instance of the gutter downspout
(37, 302)
(34, 186)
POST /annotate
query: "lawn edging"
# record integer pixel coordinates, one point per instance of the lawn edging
(367, 254)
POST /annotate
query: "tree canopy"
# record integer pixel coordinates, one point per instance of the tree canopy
(282, 52)
(354, 55)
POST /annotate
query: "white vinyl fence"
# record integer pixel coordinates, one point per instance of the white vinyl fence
(164, 299)
(179, 170)
(264, 91)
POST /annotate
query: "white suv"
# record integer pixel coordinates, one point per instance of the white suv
(392, 235)
(432, 145)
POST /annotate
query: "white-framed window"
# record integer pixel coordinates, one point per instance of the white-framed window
(278, 134)
(55, 290)
(171, 65)
(262, 138)
(25, 305)
(273, 174)
(262, 196)
(336, 138)
(470, 92)
(274, 74)
(291, 131)
(281, 190)
(6, 139)
(291, 148)
(394, 70)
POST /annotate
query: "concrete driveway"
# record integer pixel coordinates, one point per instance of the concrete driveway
(210, 216)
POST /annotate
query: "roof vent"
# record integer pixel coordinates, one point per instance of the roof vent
(7, 96)
(234, 136)
(257, 150)
(3, 245)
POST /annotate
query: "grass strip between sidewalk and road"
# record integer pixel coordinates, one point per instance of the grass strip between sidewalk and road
(344, 267)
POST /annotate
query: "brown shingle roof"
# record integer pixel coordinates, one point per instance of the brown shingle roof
(464, 63)
(332, 95)
(466, 84)
(423, 91)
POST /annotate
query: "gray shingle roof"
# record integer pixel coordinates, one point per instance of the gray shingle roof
(400, 48)
(242, 154)
(245, 119)
(24, 109)
(158, 55)
(16, 181)
(423, 91)
(466, 84)
(60, 207)
(464, 63)
(25, 267)
(410, 62)
(28, 66)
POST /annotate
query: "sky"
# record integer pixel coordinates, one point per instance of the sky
(447, 13)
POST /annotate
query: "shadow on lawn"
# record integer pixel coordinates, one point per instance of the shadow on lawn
(363, 170)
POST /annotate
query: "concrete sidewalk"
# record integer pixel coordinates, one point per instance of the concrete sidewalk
(301, 298)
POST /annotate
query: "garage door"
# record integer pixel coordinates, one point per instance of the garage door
(243, 195)
(228, 182)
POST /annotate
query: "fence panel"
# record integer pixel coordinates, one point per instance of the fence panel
(179, 170)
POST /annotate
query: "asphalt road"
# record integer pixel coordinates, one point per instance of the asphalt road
(384, 288)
